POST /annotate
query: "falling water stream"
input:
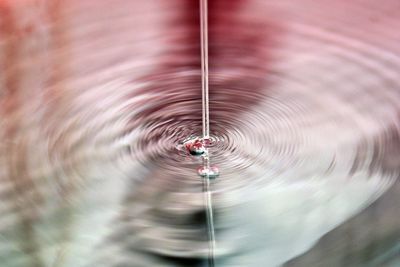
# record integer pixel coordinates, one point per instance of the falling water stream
(206, 169)
(198, 146)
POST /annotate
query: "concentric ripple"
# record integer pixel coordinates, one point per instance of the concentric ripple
(98, 97)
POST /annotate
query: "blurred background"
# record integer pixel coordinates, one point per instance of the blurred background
(97, 97)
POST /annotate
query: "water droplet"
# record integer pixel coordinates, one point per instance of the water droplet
(195, 147)
(208, 172)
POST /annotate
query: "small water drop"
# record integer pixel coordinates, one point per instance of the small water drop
(208, 172)
(196, 147)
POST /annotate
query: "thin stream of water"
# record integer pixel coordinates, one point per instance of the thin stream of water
(206, 128)
(204, 67)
